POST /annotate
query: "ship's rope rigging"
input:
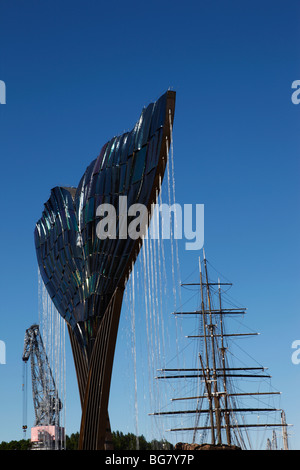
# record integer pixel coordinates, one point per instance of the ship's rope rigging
(240, 427)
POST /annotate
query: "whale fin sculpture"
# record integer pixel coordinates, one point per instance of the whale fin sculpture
(85, 275)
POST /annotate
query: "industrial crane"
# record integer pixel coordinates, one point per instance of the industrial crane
(47, 404)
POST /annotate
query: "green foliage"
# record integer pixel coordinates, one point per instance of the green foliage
(23, 444)
(120, 442)
(123, 441)
(72, 441)
(131, 442)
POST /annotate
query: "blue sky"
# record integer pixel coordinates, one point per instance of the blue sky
(78, 73)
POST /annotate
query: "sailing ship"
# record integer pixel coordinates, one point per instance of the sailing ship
(219, 414)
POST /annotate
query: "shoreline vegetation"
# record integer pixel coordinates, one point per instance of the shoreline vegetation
(120, 441)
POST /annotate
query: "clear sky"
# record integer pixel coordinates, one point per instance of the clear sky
(79, 72)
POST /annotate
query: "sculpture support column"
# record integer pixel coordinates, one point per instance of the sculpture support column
(94, 388)
(81, 368)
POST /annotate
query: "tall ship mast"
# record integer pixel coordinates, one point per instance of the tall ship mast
(221, 414)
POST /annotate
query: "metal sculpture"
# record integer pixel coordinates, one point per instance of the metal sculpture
(86, 275)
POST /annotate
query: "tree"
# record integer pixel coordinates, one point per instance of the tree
(72, 441)
(120, 440)
(129, 442)
(23, 444)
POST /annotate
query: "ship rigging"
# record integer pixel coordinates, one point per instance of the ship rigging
(219, 413)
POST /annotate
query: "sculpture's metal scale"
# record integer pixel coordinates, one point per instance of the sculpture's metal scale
(86, 276)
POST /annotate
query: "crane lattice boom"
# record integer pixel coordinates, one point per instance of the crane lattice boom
(47, 404)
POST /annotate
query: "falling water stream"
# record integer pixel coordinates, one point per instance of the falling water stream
(153, 290)
(52, 330)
